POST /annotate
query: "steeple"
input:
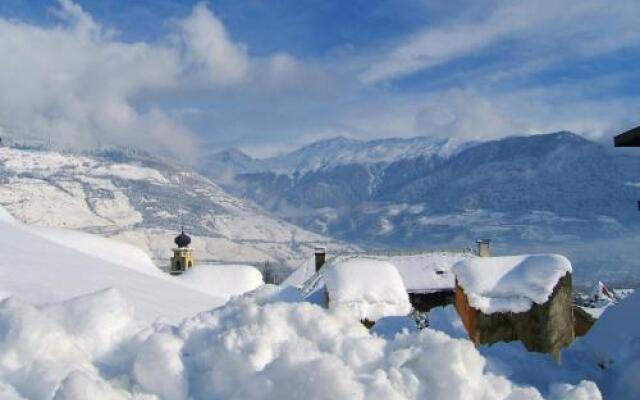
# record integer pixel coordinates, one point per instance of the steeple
(183, 254)
(182, 240)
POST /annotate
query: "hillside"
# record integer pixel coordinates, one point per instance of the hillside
(142, 200)
(555, 192)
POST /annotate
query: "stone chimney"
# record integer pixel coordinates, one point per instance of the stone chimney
(484, 247)
(320, 257)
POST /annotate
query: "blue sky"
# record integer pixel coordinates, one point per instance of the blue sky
(188, 77)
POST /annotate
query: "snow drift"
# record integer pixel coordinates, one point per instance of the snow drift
(223, 280)
(43, 265)
(252, 348)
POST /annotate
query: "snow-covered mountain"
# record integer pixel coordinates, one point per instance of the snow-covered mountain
(329, 154)
(556, 192)
(142, 200)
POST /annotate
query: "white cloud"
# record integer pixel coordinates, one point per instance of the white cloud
(80, 84)
(209, 49)
(76, 84)
(539, 28)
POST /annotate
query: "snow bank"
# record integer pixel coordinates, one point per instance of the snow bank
(366, 288)
(252, 348)
(42, 266)
(104, 248)
(615, 342)
(222, 280)
(510, 284)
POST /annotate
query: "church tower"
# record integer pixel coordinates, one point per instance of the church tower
(182, 255)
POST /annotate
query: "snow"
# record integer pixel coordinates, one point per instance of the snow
(223, 280)
(300, 275)
(428, 272)
(43, 265)
(389, 327)
(110, 250)
(366, 288)
(512, 283)
(571, 379)
(423, 272)
(339, 151)
(617, 330)
(601, 297)
(251, 348)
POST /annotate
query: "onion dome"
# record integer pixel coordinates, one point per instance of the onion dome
(182, 240)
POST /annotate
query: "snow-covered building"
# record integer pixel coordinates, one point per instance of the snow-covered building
(426, 275)
(367, 289)
(526, 298)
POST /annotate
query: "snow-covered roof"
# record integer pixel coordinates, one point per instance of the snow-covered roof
(301, 274)
(367, 288)
(421, 272)
(510, 284)
(427, 272)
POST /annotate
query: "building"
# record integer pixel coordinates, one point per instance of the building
(367, 289)
(426, 275)
(182, 254)
(526, 298)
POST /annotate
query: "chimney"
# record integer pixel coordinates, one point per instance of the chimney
(320, 257)
(484, 248)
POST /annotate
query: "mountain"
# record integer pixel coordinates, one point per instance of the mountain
(224, 165)
(143, 200)
(328, 154)
(552, 192)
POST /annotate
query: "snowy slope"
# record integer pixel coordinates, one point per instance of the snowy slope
(143, 201)
(40, 268)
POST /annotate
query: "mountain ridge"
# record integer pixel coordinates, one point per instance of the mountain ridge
(540, 192)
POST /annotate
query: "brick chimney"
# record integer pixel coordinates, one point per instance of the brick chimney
(320, 257)
(484, 247)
